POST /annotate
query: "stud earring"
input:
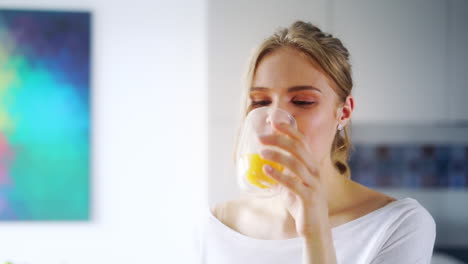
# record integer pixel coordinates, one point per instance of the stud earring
(340, 127)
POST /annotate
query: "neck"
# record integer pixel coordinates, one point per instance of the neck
(336, 186)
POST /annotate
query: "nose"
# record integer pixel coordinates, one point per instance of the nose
(278, 115)
(277, 105)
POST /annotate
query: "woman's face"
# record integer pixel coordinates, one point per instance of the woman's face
(286, 79)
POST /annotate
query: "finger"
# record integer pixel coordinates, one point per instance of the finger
(288, 182)
(288, 130)
(296, 148)
(290, 145)
(292, 133)
(293, 164)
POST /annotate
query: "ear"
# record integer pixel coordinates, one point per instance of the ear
(344, 112)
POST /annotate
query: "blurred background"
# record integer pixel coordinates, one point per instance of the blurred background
(164, 108)
(148, 136)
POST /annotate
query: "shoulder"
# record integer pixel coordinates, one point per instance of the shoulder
(393, 211)
(410, 215)
(361, 201)
(410, 234)
(406, 215)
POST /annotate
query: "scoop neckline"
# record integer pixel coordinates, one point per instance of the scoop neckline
(334, 230)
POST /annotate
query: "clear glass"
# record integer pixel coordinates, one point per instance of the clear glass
(250, 175)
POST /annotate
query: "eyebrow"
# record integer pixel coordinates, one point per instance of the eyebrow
(290, 89)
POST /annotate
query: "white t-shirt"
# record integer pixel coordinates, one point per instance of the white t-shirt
(401, 232)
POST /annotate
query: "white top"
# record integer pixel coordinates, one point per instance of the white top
(402, 232)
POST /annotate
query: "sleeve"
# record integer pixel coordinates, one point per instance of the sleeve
(410, 240)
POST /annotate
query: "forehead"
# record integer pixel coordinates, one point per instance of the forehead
(287, 67)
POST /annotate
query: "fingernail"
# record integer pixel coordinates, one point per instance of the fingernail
(268, 168)
(266, 184)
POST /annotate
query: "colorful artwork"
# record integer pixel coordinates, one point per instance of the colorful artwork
(44, 115)
(410, 165)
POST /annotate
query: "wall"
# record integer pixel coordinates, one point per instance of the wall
(149, 139)
(408, 59)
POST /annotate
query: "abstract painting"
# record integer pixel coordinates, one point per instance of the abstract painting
(45, 61)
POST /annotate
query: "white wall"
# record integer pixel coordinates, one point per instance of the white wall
(149, 139)
(409, 59)
(457, 68)
(398, 50)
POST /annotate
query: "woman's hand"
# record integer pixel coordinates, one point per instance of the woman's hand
(302, 191)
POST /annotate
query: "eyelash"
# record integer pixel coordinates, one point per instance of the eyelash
(297, 102)
(260, 103)
(303, 103)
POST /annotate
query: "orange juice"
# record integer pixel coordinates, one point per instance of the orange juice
(255, 172)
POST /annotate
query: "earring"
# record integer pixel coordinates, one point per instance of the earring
(340, 127)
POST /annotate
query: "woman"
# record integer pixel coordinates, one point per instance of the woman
(322, 215)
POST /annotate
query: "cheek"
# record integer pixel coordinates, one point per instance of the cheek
(318, 131)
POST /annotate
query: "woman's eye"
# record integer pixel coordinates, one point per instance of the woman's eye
(303, 103)
(260, 103)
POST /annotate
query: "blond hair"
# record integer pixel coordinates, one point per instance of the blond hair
(322, 49)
